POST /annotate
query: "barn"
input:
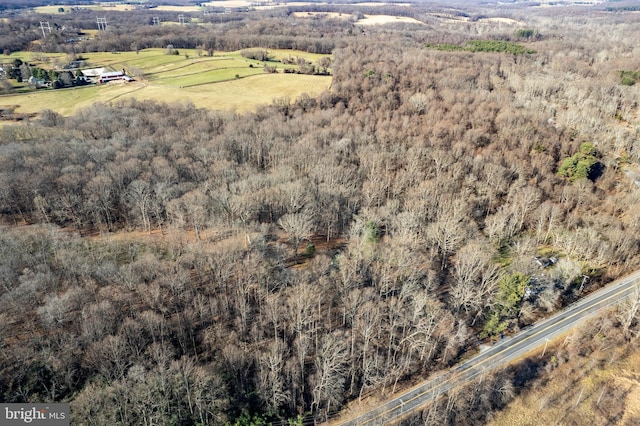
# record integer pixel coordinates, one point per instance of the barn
(106, 77)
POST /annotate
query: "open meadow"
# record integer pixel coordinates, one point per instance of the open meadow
(223, 81)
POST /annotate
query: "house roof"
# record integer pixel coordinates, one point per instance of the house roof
(112, 74)
(93, 72)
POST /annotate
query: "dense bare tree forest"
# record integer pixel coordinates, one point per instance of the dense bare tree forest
(173, 265)
(134, 30)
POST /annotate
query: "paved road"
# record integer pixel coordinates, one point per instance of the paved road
(507, 350)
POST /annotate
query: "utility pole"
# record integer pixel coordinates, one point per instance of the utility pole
(545, 346)
(43, 26)
(584, 280)
(102, 24)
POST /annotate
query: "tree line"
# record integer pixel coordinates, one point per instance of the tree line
(135, 30)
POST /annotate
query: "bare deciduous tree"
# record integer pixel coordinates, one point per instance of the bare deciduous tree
(140, 198)
(476, 276)
(298, 226)
(271, 384)
(447, 235)
(629, 313)
(331, 370)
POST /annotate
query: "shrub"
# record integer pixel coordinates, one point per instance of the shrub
(629, 78)
(581, 165)
(510, 293)
(511, 289)
(371, 232)
(256, 54)
(310, 250)
(527, 33)
(270, 69)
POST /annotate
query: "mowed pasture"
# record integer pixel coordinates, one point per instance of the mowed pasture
(223, 81)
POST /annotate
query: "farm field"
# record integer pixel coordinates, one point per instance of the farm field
(157, 61)
(367, 20)
(386, 19)
(223, 81)
(157, 65)
(54, 9)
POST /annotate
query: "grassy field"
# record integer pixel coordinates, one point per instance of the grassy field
(240, 95)
(150, 59)
(31, 57)
(224, 81)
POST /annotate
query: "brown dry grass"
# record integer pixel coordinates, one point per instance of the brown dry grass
(601, 388)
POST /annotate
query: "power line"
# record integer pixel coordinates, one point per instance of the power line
(43, 26)
(102, 24)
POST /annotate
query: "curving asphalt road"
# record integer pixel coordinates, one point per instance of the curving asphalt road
(500, 354)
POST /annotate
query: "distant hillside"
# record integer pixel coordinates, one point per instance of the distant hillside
(25, 4)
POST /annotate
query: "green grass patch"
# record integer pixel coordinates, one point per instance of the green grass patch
(31, 57)
(546, 251)
(155, 61)
(65, 101)
(146, 59)
(192, 68)
(629, 78)
(213, 76)
(279, 54)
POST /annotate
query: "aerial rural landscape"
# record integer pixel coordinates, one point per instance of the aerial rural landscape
(321, 212)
